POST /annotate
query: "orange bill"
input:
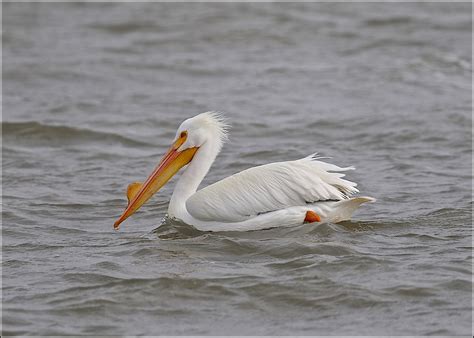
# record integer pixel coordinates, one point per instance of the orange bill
(169, 165)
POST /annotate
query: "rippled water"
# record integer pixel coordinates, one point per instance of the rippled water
(92, 95)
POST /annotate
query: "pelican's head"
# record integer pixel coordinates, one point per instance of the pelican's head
(202, 128)
(192, 134)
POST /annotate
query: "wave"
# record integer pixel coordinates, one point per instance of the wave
(121, 28)
(35, 133)
(174, 229)
(390, 21)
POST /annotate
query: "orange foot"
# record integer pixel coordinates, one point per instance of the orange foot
(311, 217)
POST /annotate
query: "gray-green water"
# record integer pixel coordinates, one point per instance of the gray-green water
(92, 95)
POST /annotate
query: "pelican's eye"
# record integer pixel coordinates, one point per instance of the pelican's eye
(181, 139)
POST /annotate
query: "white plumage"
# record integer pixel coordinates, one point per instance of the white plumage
(275, 194)
(268, 188)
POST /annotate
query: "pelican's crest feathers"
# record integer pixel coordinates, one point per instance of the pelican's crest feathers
(217, 122)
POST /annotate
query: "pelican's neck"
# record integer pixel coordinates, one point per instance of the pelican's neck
(192, 176)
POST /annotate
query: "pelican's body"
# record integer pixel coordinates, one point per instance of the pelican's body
(276, 194)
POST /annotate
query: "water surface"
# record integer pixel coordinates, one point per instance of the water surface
(93, 94)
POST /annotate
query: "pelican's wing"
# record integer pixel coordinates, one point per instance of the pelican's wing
(270, 187)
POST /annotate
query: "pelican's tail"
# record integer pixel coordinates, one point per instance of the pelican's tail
(342, 210)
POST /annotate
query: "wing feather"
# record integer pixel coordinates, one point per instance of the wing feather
(270, 187)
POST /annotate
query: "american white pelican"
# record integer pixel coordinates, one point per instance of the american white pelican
(271, 195)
